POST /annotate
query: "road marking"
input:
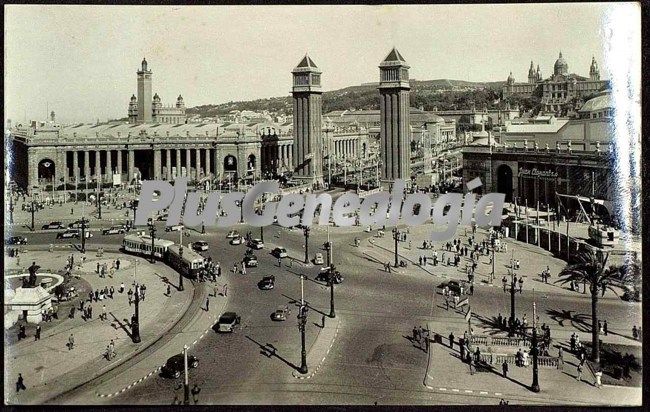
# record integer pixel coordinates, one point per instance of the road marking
(483, 393)
(468, 391)
(443, 389)
(455, 390)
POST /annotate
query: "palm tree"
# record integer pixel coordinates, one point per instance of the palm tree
(591, 269)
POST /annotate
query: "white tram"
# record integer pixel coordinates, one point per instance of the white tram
(189, 263)
(141, 245)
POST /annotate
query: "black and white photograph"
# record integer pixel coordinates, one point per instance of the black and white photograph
(447, 195)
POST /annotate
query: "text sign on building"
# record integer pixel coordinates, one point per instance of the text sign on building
(541, 174)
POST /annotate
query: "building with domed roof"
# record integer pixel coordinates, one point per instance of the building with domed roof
(145, 109)
(561, 92)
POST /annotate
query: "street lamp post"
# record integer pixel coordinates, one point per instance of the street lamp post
(302, 323)
(99, 199)
(306, 233)
(135, 322)
(11, 208)
(535, 386)
(513, 285)
(180, 252)
(186, 381)
(84, 221)
(331, 277)
(396, 235)
(152, 233)
(133, 207)
(32, 209)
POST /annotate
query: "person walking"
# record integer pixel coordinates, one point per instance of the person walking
(98, 267)
(471, 366)
(71, 342)
(504, 368)
(416, 335)
(600, 327)
(505, 283)
(103, 313)
(451, 340)
(560, 359)
(117, 264)
(598, 375)
(579, 370)
(111, 291)
(471, 288)
(20, 384)
(195, 394)
(521, 284)
(225, 289)
(37, 336)
(605, 327)
(207, 304)
(572, 342)
(90, 311)
(121, 289)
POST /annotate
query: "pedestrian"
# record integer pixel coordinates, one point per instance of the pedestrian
(207, 304)
(37, 336)
(579, 376)
(103, 312)
(71, 342)
(90, 311)
(471, 288)
(243, 268)
(598, 375)
(471, 366)
(451, 340)
(600, 327)
(169, 290)
(195, 394)
(121, 289)
(20, 383)
(605, 327)
(117, 264)
(446, 303)
(72, 310)
(504, 368)
(225, 289)
(573, 342)
(635, 333)
(112, 291)
(279, 263)
(477, 355)
(97, 267)
(560, 359)
(505, 282)
(521, 284)
(461, 344)
(416, 336)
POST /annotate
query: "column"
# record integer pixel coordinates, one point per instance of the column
(75, 166)
(168, 162)
(178, 163)
(156, 164)
(188, 162)
(119, 164)
(207, 162)
(86, 165)
(98, 165)
(197, 156)
(109, 166)
(131, 165)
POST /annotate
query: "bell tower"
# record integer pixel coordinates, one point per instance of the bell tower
(307, 149)
(395, 123)
(144, 100)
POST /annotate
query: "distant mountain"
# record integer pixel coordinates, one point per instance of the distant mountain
(444, 94)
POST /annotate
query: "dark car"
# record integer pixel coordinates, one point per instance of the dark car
(53, 225)
(176, 365)
(200, 246)
(279, 252)
(454, 286)
(227, 322)
(267, 283)
(16, 240)
(114, 230)
(250, 261)
(323, 276)
(256, 244)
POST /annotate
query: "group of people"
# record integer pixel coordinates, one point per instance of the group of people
(102, 269)
(516, 281)
(421, 337)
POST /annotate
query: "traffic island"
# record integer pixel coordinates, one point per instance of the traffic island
(320, 348)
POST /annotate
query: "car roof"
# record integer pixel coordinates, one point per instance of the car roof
(228, 316)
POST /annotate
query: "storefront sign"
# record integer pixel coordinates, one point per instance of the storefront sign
(542, 174)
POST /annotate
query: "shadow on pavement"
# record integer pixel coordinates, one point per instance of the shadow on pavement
(270, 351)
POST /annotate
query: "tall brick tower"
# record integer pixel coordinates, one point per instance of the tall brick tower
(307, 122)
(395, 123)
(144, 94)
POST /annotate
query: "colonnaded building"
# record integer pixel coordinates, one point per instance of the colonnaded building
(558, 90)
(159, 142)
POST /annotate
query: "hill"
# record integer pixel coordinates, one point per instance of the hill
(444, 94)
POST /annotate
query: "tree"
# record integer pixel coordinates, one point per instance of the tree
(591, 269)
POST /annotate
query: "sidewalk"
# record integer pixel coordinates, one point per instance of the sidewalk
(50, 368)
(557, 386)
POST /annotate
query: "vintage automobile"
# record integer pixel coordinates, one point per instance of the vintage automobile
(114, 230)
(53, 225)
(200, 246)
(175, 365)
(16, 240)
(280, 313)
(279, 252)
(256, 244)
(228, 321)
(250, 261)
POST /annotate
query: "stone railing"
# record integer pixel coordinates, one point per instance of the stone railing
(498, 341)
(548, 361)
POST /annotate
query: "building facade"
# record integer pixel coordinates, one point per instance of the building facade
(560, 90)
(146, 108)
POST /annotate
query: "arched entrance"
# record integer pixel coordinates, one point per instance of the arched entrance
(230, 168)
(46, 171)
(251, 164)
(504, 181)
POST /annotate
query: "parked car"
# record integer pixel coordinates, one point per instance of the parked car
(256, 244)
(323, 276)
(280, 313)
(76, 225)
(279, 252)
(200, 246)
(114, 230)
(16, 240)
(267, 283)
(236, 240)
(318, 259)
(53, 225)
(250, 261)
(228, 321)
(232, 234)
(175, 365)
(174, 228)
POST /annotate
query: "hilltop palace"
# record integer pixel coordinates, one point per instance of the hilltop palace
(520, 156)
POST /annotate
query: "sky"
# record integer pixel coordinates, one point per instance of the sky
(81, 61)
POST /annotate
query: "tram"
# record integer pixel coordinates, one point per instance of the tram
(188, 263)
